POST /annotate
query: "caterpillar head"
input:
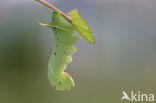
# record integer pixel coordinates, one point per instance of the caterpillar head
(63, 82)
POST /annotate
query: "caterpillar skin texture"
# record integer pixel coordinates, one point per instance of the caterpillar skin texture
(61, 53)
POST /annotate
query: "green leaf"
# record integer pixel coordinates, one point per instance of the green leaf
(61, 53)
(81, 26)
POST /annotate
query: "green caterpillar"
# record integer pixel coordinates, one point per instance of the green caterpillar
(63, 47)
(61, 55)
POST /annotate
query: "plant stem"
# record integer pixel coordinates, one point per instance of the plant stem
(51, 7)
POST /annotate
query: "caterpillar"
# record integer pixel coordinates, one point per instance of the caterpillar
(64, 47)
(63, 44)
(61, 54)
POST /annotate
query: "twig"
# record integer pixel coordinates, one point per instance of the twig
(51, 7)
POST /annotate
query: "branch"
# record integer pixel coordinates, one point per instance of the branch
(51, 7)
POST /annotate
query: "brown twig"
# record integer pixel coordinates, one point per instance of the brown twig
(51, 7)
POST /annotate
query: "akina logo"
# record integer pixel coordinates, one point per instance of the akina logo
(137, 96)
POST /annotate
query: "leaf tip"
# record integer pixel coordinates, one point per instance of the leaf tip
(44, 24)
(92, 42)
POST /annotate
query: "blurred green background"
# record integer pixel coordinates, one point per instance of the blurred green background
(123, 58)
